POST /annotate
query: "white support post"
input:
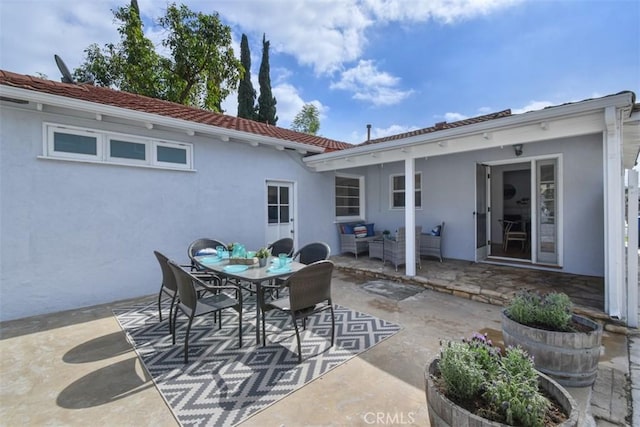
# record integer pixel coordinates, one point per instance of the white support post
(614, 278)
(632, 249)
(410, 215)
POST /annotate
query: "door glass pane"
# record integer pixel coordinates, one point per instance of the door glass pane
(284, 195)
(284, 214)
(127, 150)
(273, 214)
(172, 155)
(70, 143)
(272, 195)
(547, 202)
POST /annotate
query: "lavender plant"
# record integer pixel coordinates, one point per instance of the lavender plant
(507, 383)
(551, 311)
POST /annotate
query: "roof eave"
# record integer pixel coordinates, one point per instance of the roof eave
(621, 100)
(186, 126)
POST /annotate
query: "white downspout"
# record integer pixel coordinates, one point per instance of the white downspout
(614, 278)
(632, 249)
(410, 215)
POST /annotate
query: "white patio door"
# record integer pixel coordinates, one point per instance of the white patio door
(482, 211)
(280, 211)
(547, 214)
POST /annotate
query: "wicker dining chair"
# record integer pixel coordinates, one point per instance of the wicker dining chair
(282, 246)
(309, 294)
(168, 286)
(192, 306)
(308, 254)
(200, 244)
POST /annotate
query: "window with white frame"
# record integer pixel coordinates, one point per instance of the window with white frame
(73, 143)
(349, 192)
(398, 191)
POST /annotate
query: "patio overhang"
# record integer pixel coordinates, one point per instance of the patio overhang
(581, 118)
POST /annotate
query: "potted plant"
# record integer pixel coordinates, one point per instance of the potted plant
(263, 254)
(386, 234)
(564, 345)
(473, 382)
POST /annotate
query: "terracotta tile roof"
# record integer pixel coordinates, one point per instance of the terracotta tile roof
(441, 126)
(115, 98)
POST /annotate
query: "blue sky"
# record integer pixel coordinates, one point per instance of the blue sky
(396, 64)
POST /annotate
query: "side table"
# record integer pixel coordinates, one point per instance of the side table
(376, 249)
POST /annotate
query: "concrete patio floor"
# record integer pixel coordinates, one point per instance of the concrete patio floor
(76, 368)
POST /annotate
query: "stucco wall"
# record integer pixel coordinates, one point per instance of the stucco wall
(78, 234)
(448, 191)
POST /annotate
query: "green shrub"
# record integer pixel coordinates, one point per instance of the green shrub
(508, 384)
(514, 394)
(551, 311)
(462, 375)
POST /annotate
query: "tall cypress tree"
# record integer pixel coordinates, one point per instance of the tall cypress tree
(246, 92)
(266, 101)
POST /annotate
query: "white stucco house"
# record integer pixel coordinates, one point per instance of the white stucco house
(93, 180)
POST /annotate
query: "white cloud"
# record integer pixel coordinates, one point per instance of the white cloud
(357, 137)
(447, 11)
(326, 35)
(531, 106)
(290, 103)
(454, 117)
(33, 31)
(371, 85)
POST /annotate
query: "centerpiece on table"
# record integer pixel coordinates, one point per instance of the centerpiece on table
(239, 255)
(473, 382)
(564, 345)
(263, 255)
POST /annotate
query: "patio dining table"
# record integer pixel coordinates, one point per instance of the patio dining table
(254, 274)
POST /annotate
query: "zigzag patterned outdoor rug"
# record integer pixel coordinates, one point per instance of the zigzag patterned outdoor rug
(223, 385)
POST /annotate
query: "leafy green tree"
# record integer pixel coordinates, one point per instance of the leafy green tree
(307, 120)
(246, 92)
(266, 101)
(132, 66)
(201, 70)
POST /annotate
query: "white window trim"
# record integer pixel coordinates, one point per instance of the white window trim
(392, 192)
(147, 150)
(362, 215)
(103, 155)
(49, 146)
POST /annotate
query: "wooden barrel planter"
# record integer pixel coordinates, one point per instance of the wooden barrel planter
(444, 413)
(570, 358)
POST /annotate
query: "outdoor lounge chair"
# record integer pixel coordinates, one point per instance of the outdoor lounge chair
(395, 248)
(309, 293)
(189, 304)
(350, 242)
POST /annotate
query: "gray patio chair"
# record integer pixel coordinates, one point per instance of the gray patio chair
(189, 303)
(395, 249)
(309, 294)
(167, 287)
(200, 244)
(312, 252)
(282, 246)
(308, 254)
(349, 243)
